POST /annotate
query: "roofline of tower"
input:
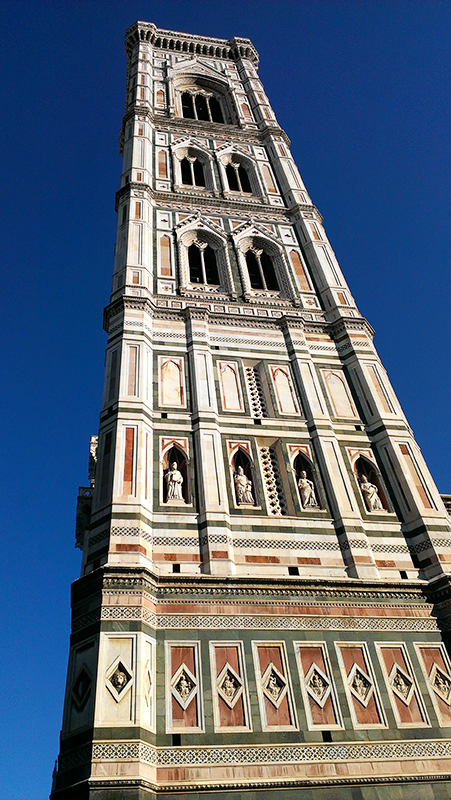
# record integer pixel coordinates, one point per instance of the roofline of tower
(236, 47)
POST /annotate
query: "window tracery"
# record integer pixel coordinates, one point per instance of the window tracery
(203, 260)
(262, 266)
(201, 105)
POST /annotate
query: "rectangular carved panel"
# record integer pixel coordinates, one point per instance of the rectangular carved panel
(228, 680)
(274, 688)
(318, 689)
(404, 694)
(183, 687)
(360, 686)
(436, 668)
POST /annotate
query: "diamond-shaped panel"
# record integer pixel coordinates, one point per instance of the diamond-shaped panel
(361, 685)
(401, 684)
(441, 683)
(81, 688)
(274, 685)
(229, 685)
(317, 685)
(183, 686)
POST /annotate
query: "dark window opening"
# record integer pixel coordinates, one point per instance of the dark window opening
(254, 272)
(293, 570)
(211, 267)
(269, 272)
(192, 172)
(201, 108)
(262, 274)
(176, 739)
(185, 168)
(203, 266)
(176, 568)
(187, 106)
(199, 178)
(215, 110)
(327, 736)
(238, 178)
(244, 179)
(403, 574)
(198, 106)
(232, 179)
(195, 264)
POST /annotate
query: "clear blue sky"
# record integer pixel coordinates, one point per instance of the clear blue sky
(362, 89)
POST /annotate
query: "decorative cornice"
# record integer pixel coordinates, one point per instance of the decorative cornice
(187, 43)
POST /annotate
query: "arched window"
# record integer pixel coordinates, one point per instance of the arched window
(203, 266)
(192, 172)
(201, 106)
(238, 178)
(262, 274)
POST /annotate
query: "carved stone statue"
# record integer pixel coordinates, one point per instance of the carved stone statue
(370, 494)
(228, 687)
(307, 492)
(174, 480)
(243, 487)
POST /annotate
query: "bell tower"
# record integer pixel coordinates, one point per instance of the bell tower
(264, 593)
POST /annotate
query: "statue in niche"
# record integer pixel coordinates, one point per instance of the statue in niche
(174, 481)
(307, 492)
(243, 488)
(370, 494)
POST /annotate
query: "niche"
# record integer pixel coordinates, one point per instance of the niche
(307, 483)
(371, 486)
(176, 484)
(243, 479)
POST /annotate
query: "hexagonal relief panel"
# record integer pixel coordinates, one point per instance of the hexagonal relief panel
(274, 685)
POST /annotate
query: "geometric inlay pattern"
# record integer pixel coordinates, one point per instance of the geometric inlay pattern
(229, 685)
(266, 622)
(183, 686)
(317, 685)
(401, 684)
(441, 683)
(273, 754)
(274, 685)
(360, 684)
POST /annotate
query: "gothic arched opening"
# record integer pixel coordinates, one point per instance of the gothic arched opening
(371, 486)
(306, 482)
(176, 486)
(243, 479)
